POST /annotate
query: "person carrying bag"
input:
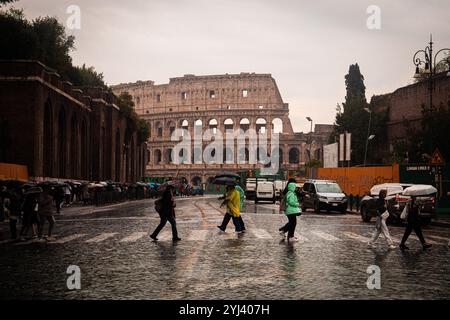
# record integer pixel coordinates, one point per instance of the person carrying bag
(382, 215)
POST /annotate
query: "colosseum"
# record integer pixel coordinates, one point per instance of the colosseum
(218, 104)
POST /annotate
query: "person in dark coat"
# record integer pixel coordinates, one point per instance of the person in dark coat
(14, 206)
(413, 223)
(167, 214)
(30, 215)
(46, 213)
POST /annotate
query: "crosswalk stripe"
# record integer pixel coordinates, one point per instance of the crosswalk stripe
(69, 238)
(261, 234)
(426, 239)
(356, 237)
(438, 238)
(325, 236)
(101, 237)
(134, 237)
(300, 237)
(198, 235)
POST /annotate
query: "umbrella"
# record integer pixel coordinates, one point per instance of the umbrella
(419, 190)
(33, 190)
(13, 184)
(173, 183)
(227, 181)
(227, 174)
(391, 188)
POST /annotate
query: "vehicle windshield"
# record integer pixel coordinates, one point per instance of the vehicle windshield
(328, 188)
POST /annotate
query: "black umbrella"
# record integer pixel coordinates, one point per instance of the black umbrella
(33, 190)
(13, 184)
(227, 175)
(226, 181)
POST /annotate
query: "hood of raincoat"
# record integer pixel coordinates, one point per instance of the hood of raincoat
(292, 186)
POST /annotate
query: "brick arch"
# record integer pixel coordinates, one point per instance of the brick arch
(48, 141)
(74, 149)
(62, 142)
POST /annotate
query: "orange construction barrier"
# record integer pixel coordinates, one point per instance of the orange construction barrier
(9, 171)
(359, 180)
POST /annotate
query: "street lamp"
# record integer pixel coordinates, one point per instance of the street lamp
(429, 63)
(369, 137)
(310, 137)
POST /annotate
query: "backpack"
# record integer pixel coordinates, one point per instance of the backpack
(158, 206)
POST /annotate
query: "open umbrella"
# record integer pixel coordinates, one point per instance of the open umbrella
(227, 174)
(173, 183)
(226, 181)
(33, 190)
(13, 184)
(419, 190)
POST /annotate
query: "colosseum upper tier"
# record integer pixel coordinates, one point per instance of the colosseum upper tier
(219, 103)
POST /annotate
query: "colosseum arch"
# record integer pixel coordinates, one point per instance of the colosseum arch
(74, 145)
(62, 148)
(213, 125)
(196, 180)
(261, 124)
(169, 158)
(228, 124)
(157, 156)
(159, 129)
(277, 125)
(48, 140)
(294, 155)
(171, 126)
(244, 124)
(228, 155)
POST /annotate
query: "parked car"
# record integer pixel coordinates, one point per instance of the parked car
(279, 187)
(265, 190)
(396, 202)
(323, 195)
(250, 187)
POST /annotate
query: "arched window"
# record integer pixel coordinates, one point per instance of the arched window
(62, 148)
(169, 155)
(261, 125)
(213, 125)
(158, 157)
(244, 124)
(228, 124)
(294, 156)
(277, 125)
(48, 141)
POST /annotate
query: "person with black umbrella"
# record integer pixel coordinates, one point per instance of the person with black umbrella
(233, 203)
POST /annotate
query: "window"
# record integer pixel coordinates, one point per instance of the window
(212, 94)
(261, 107)
(228, 107)
(184, 95)
(158, 98)
(245, 93)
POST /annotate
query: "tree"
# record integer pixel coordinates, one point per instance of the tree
(86, 77)
(352, 117)
(126, 106)
(2, 2)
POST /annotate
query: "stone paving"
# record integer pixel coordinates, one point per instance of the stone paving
(118, 261)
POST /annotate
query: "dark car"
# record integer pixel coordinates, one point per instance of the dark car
(323, 195)
(396, 203)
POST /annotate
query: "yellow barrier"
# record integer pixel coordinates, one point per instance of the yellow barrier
(359, 180)
(13, 171)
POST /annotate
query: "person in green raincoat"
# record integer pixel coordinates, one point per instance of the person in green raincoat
(292, 210)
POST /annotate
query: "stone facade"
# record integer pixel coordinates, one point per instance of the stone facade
(219, 103)
(62, 132)
(406, 103)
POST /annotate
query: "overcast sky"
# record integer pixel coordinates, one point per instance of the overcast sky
(307, 46)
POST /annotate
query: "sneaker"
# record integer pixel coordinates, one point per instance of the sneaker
(221, 229)
(392, 246)
(426, 246)
(50, 238)
(176, 239)
(403, 247)
(292, 239)
(154, 237)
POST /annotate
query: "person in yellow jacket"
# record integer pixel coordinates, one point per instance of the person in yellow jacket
(233, 203)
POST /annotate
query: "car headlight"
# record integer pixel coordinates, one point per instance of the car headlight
(323, 199)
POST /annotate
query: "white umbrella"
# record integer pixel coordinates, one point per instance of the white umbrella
(419, 190)
(391, 188)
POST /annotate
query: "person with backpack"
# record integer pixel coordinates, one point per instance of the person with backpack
(382, 215)
(166, 209)
(233, 203)
(292, 210)
(241, 191)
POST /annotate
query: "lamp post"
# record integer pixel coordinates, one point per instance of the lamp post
(310, 137)
(429, 62)
(369, 137)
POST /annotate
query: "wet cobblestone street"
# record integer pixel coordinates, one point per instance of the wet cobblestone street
(119, 261)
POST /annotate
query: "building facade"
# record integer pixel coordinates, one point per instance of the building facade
(62, 132)
(220, 105)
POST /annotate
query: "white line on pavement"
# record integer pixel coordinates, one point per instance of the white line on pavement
(438, 238)
(198, 235)
(134, 237)
(300, 237)
(101, 237)
(325, 236)
(261, 234)
(68, 238)
(356, 237)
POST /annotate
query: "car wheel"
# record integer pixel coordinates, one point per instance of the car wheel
(317, 207)
(343, 210)
(256, 199)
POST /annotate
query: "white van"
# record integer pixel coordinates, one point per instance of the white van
(265, 190)
(279, 187)
(250, 187)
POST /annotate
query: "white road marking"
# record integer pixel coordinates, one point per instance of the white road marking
(325, 236)
(134, 237)
(356, 237)
(101, 237)
(438, 238)
(300, 237)
(69, 238)
(198, 235)
(261, 234)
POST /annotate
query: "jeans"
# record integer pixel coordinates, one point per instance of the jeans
(290, 226)
(237, 221)
(415, 225)
(384, 229)
(51, 223)
(163, 222)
